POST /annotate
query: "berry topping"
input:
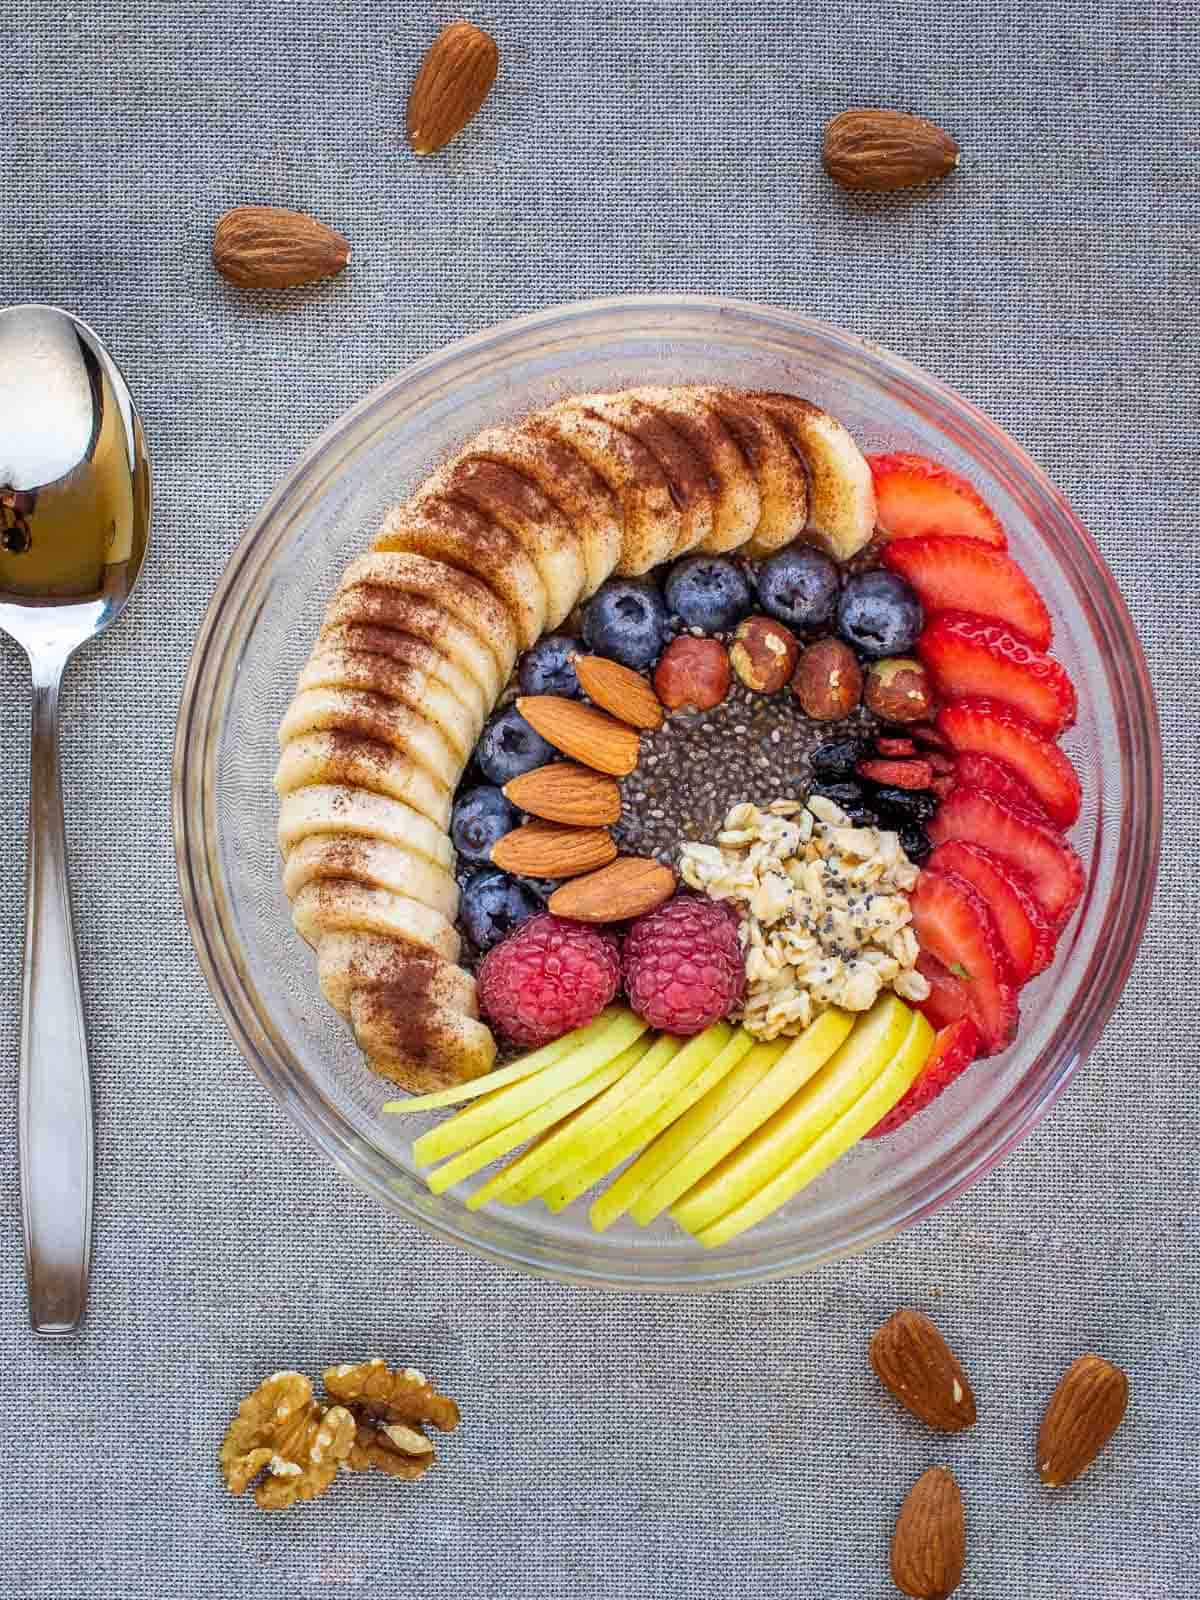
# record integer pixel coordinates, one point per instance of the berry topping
(712, 593)
(974, 770)
(548, 667)
(481, 817)
(895, 747)
(799, 586)
(850, 796)
(952, 922)
(915, 496)
(915, 842)
(1051, 868)
(492, 905)
(509, 747)
(950, 574)
(836, 758)
(552, 975)
(879, 615)
(683, 965)
(897, 806)
(954, 1049)
(969, 655)
(626, 620)
(898, 774)
(948, 995)
(986, 727)
(1025, 931)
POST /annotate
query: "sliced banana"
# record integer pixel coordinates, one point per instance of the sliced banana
(781, 477)
(519, 506)
(395, 680)
(687, 474)
(327, 808)
(373, 716)
(373, 618)
(416, 1043)
(354, 654)
(340, 758)
(652, 525)
(474, 545)
(343, 906)
(370, 861)
(841, 498)
(355, 960)
(736, 504)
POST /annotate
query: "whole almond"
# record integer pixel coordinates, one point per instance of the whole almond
(917, 1366)
(566, 792)
(549, 850)
(455, 77)
(620, 690)
(929, 1546)
(591, 736)
(879, 151)
(269, 247)
(630, 886)
(1084, 1413)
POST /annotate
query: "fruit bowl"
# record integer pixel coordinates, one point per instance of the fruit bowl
(258, 631)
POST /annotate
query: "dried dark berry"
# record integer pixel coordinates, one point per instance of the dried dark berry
(915, 842)
(851, 799)
(904, 805)
(836, 758)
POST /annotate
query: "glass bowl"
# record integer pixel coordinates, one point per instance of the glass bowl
(260, 628)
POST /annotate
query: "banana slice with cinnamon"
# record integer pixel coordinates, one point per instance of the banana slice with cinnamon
(326, 856)
(407, 1037)
(339, 905)
(779, 472)
(841, 494)
(736, 505)
(350, 960)
(336, 758)
(686, 472)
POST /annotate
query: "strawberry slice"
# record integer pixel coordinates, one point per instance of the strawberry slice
(954, 1049)
(915, 496)
(962, 574)
(974, 770)
(898, 774)
(1051, 868)
(986, 727)
(952, 922)
(968, 655)
(948, 998)
(1025, 931)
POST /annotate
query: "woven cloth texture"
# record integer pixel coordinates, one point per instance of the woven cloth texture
(613, 1445)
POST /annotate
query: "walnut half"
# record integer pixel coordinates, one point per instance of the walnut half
(389, 1408)
(281, 1428)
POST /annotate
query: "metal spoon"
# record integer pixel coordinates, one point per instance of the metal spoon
(74, 520)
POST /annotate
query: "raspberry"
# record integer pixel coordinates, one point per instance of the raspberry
(548, 977)
(683, 965)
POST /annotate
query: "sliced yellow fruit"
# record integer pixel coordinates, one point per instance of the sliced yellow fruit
(888, 1088)
(654, 1166)
(538, 1167)
(516, 1070)
(798, 1118)
(663, 1095)
(534, 1122)
(513, 1101)
(619, 1197)
(799, 1060)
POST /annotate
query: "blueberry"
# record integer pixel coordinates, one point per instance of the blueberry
(879, 615)
(508, 747)
(836, 758)
(904, 805)
(799, 586)
(626, 620)
(711, 593)
(481, 816)
(549, 667)
(492, 905)
(851, 799)
(915, 842)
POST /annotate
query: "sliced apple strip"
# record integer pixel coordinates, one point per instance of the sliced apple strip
(537, 1168)
(846, 1074)
(794, 1067)
(523, 1067)
(506, 1139)
(498, 1110)
(668, 1091)
(892, 1084)
(619, 1197)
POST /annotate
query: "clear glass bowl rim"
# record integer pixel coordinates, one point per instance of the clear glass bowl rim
(225, 627)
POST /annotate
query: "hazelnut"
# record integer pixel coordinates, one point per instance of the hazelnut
(764, 654)
(692, 674)
(898, 690)
(828, 681)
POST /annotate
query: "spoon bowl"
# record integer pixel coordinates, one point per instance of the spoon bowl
(74, 523)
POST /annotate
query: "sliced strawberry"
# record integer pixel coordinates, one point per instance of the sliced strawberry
(952, 922)
(1024, 929)
(954, 1049)
(1051, 868)
(898, 774)
(948, 999)
(895, 747)
(968, 655)
(986, 727)
(915, 496)
(943, 784)
(964, 575)
(973, 770)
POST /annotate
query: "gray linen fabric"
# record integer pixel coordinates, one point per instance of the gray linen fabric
(612, 1445)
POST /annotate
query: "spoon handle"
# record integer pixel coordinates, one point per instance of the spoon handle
(55, 1083)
